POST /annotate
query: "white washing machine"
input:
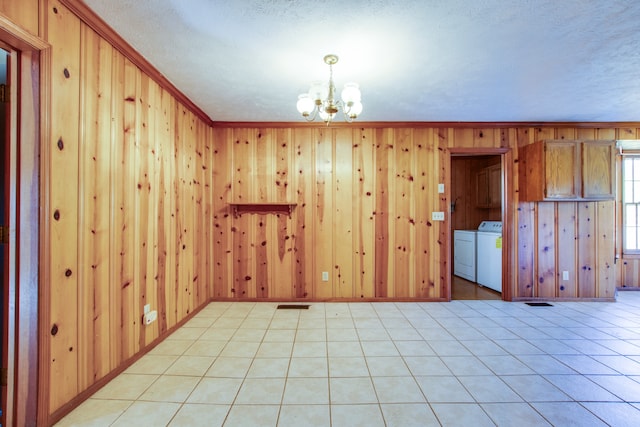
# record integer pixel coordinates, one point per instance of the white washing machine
(464, 254)
(489, 255)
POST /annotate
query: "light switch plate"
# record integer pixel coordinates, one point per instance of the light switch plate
(440, 188)
(437, 216)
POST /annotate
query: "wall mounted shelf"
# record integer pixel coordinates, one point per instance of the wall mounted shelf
(262, 208)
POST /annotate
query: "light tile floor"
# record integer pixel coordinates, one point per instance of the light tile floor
(463, 363)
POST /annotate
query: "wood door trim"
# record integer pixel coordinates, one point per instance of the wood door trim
(32, 161)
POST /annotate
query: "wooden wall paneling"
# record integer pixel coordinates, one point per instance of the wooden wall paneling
(526, 275)
(116, 144)
(566, 244)
(423, 152)
(243, 275)
(546, 250)
(564, 133)
(605, 250)
(64, 36)
(264, 191)
(363, 207)
(221, 172)
(142, 204)
(604, 134)
(166, 237)
(384, 212)
(586, 133)
(442, 254)
(525, 136)
(403, 220)
(462, 138)
(542, 133)
(124, 200)
(586, 249)
(94, 210)
(207, 219)
(630, 272)
(323, 216)
(344, 182)
(23, 13)
(282, 235)
(198, 253)
(302, 179)
(188, 277)
(486, 138)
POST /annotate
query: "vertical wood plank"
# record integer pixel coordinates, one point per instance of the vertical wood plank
(605, 250)
(525, 286)
(64, 35)
(116, 214)
(586, 250)
(566, 133)
(243, 279)
(423, 143)
(546, 252)
(95, 162)
(264, 191)
(125, 203)
(566, 243)
(343, 192)
(283, 233)
(323, 215)
(364, 187)
(166, 277)
(221, 170)
(304, 279)
(404, 219)
(384, 213)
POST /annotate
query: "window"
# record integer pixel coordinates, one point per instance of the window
(631, 204)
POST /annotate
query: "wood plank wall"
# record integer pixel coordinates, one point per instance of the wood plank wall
(364, 200)
(130, 193)
(365, 197)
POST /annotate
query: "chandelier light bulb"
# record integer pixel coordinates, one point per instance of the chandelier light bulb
(305, 104)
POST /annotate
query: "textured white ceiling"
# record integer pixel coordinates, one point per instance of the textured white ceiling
(415, 60)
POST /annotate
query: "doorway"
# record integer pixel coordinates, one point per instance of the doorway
(477, 199)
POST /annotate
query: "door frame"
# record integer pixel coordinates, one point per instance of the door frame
(508, 213)
(29, 163)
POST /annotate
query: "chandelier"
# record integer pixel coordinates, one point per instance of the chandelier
(320, 100)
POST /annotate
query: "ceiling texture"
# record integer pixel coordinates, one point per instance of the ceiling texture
(415, 60)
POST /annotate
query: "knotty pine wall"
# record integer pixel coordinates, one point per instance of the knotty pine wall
(364, 200)
(130, 192)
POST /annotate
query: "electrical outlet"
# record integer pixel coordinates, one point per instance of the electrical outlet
(437, 216)
(325, 276)
(565, 275)
(150, 317)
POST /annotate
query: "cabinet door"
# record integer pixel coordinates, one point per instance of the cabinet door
(562, 170)
(495, 186)
(598, 166)
(482, 189)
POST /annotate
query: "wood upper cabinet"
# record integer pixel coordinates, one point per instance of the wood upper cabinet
(489, 187)
(554, 170)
